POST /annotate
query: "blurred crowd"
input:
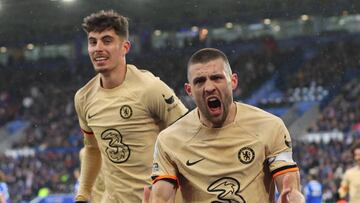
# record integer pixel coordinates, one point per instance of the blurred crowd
(43, 97)
(343, 112)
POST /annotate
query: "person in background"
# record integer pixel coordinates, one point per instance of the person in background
(77, 177)
(313, 189)
(350, 183)
(4, 190)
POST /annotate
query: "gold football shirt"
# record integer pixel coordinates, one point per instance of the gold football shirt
(351, 181)
(235, 163)
(125, 122)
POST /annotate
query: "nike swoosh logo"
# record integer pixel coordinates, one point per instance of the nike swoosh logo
(190, 163)
(90, 116)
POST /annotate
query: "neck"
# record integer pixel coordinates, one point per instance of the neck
(113, 78)
(229, 118)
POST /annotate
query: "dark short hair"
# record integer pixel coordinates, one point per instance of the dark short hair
(208, 54)
(205, 55)
(103, 20)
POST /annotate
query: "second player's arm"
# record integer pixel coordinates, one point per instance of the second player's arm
(344, 187)
(90, 167)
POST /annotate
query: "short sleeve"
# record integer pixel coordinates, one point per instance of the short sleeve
(78, 103)
(280, 150)
(163, 165)
(163, 103)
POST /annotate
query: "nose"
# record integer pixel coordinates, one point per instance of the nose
(99, 46)
(209, 87)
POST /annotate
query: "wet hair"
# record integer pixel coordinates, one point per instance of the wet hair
(208, 54)
(104, 20)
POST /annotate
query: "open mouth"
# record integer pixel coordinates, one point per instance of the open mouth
(100, 59)
(214, 105)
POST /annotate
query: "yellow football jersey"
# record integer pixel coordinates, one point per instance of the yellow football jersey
(125, 122)
(351, 180)
(235, 163)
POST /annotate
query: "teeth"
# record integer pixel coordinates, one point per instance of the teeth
(212, 99)
(100, 59)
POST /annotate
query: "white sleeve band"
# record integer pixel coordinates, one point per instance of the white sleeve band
(283, 156)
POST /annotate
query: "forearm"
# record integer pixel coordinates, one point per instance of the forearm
(163, 192)
(90, 167)
(288, 185)
(293, 183)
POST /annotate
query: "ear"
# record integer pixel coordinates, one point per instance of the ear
(126, 46)
(187, 88)
(234, 81)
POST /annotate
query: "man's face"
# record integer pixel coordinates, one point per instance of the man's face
(357, 156)
(211, 87)
(107, 50)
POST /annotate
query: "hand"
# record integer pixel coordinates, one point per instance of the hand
(147, 191)
(290, 195)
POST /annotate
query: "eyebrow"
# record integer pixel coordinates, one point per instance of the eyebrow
(105, 36)
(199, 78)
(216, 75)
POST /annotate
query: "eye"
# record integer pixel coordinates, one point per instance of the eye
(217, 77)
(92, 42)
(107, 40)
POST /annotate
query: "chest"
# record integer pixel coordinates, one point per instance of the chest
(227, 152)
(120, 118)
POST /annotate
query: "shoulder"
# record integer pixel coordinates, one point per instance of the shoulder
(141, 75)
(254, 114)
(352, 170)
(84, 91)
(182, 130)
(148, 82)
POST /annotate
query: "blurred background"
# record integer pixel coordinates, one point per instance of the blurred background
(296, 59)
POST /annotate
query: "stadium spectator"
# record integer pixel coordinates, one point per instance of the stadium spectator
(4, 190)
(77, 177)
(350, 183)
(120, 119)
(218, 133)
(313, 189)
